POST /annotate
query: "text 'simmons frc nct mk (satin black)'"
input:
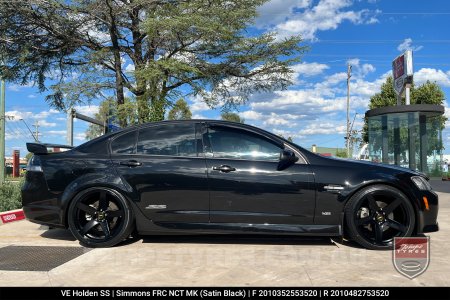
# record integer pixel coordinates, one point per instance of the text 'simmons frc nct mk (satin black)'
(205, 176)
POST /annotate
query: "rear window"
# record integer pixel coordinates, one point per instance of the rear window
(125, 143)
(168, 139)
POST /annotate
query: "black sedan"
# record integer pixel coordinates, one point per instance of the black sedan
(201, 176)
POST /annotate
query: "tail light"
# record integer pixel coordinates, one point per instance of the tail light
(34, 164)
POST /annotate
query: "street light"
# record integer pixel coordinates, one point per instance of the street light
(35, 139)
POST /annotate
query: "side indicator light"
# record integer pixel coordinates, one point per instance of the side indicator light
(425, 201)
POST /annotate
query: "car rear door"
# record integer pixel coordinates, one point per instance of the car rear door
(167, 172)
(246, 185)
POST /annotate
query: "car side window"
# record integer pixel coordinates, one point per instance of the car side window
(168, 139)
(124, 144)
(239, 144)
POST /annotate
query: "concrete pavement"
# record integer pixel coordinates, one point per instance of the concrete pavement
(224, 261)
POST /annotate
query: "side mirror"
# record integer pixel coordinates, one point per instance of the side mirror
(287, 158)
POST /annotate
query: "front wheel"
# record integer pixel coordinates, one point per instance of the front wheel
(377, 214)
(100, 217)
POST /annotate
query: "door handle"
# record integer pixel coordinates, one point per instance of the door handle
(131, 163)
(224, 168)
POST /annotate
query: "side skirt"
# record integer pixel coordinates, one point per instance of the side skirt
(242, 228)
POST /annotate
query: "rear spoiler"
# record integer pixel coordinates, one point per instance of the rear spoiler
(43, 148)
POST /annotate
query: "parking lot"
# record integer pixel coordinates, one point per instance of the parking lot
(208, 260)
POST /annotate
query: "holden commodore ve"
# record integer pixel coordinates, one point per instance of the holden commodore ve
(201, 176)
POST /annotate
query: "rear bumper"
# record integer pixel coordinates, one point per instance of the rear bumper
(39, 204)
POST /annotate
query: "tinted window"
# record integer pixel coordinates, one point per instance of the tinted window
(237, 144)
(124, 144)
(170, 139)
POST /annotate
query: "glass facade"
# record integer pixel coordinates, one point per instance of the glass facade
(408, 139)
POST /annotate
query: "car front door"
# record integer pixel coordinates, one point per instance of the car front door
(246, 184)
(166, 171)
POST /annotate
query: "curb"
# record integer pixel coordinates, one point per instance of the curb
(11, 216)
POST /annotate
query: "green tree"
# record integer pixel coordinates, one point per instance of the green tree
(155, 49)
(180, 111)
(109, 111)
(28, 156)
(232, 117)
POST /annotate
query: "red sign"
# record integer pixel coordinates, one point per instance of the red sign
(399, 66)
(12, 216)
(411, 256)
(16, 163)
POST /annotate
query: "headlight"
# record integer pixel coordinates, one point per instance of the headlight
(421, 183)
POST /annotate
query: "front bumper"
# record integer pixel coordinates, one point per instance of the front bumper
(427, 218)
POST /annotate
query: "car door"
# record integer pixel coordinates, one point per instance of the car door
(167, 172)
(246, 185)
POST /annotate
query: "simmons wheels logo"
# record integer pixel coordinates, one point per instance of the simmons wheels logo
(411, 256)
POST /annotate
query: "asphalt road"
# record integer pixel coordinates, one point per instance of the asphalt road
(440, 185)
(209, 260)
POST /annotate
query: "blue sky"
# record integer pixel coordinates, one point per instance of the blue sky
(368, 34)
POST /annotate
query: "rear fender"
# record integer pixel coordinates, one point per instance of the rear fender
(109, 180)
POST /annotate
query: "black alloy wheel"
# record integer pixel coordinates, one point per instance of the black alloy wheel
(100, 217)
(377, 214)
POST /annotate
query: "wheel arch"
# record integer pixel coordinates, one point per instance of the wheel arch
(72, 192)
(393, 184)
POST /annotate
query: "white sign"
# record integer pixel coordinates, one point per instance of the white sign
(402, 70)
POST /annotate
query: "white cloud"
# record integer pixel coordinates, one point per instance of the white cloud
(407, 45)
(309, 69)
(326, 15)
(433, 75)
(55, 132)
(17, 87)
(41, 116)
(81, 136)
(32, 96)
(316, 107)
(324, 128)
(197, 104)
(44, 123)
(88, 110)
(276, 11)
(251, 115)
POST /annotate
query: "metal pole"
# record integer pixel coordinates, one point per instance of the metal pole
(36, 125)
(349, 70)
(70, 114)
(2, 131)
(408, 87)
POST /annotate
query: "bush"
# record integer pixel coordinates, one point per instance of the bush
(10, 197)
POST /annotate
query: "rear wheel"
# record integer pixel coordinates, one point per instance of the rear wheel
(100, 217)
(377, 214)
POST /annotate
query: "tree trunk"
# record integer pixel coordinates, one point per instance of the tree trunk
(117, 63)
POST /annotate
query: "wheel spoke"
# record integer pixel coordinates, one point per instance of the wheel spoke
(114, 213)
(105, 228)
(392, 206)
(396, 225)
(103, 202)
(372, 203)
(91, 224)
(378, 233)
(362, 221)
(86, 208)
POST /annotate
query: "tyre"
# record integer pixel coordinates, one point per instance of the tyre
(377, 214)
(100, 217)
